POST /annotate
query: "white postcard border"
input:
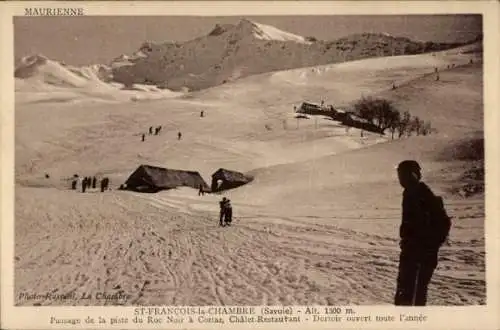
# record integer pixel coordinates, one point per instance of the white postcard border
(467, 317)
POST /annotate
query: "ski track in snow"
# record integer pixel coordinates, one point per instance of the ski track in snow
(173, 254)
(167, 248)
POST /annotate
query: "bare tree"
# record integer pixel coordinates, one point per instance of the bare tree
(365, 109)
(426, 128)
(404, 124)
(414, 126)
(383, 114)
(395, 122)
(380, 112)
(386, 114)
(417, 125)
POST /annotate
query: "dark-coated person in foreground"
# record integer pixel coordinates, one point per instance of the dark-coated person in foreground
(424, 228)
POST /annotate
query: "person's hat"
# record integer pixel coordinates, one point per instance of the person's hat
(409, 165)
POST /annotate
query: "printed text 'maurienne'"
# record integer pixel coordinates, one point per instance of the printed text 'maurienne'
(34, 11)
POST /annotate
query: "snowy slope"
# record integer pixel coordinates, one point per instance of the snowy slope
(318, 225)
(39, 79)
(268, 32)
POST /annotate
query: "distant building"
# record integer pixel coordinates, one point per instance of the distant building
(308, 107)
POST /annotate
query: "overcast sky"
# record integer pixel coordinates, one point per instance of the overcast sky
(98, 39)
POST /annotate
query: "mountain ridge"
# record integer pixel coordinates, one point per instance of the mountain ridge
(232, 51)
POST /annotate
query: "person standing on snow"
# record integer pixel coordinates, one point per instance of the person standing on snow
(228, 213)
(104, 184)
(84, 184)
(423, 230)
(222, 205)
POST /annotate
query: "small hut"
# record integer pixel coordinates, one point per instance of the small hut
(147, 178)
(224, 179)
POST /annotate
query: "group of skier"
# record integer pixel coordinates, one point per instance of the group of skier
(89, 182)
(157, 131)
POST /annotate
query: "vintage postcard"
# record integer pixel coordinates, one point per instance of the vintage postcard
(221, 165)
